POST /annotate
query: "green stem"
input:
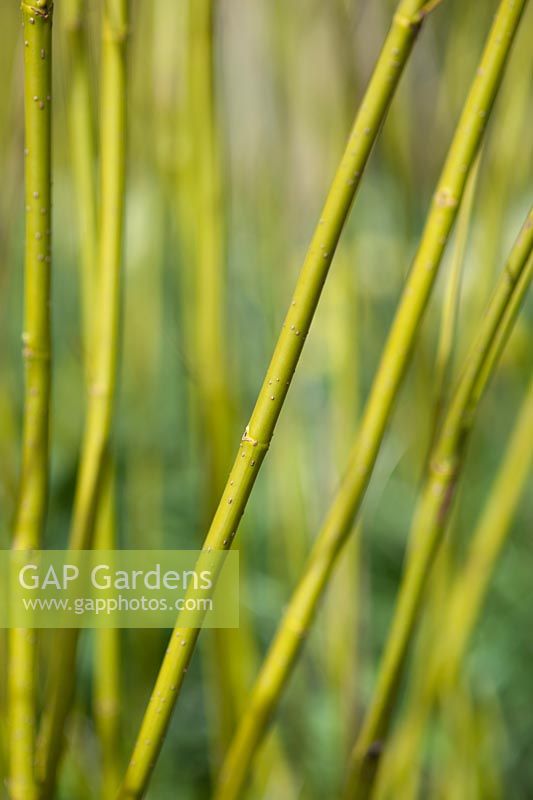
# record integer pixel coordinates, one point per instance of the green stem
(397, 772)
(287, 643)
(431, 518)
(453, 625)
(343, 607)
(208, 236)
(97, 433)
(82, 146)
(107, 654)
(210, 401)
(258, 433)
(504, 330)
(107, 641)
(450, 307)
(471, 584)
(31, 507)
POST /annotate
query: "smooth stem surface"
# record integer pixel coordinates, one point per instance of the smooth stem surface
(81, 136)
(338, 524)
(107, 654)
(210, 396)
(506, 327)
(259, 430)
(82, 146)
(228, 654)
(33, 490)
(446, 646)
(208, 222)
(397, 772)
(430, 520)
(103, 378)
(470, 586)
(450, 307)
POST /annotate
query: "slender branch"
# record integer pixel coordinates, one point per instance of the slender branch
(105, 334)
(506, 327)
(258, 433)
(82, 147)
(33, 491)
(106, 703)
(471, 584)
(447, 643)
(428, 7)
(81, 136)
(210, 397)
(397, 770)
(338, 524)
(447, 334)
(432, 515)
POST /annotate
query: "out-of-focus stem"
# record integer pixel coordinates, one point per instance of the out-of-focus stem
(81, 124)
(471, 584)
(82, 147)
(33, 488)
(107, 654)
(211, 400)
(448, 642)
(450, 307)
(431, 517)
(95, 446)
(397, 772)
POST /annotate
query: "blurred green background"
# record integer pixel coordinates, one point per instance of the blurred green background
(288, 76)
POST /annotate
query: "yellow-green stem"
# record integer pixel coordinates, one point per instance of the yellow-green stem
(210, 401)
(82, 146)
(338, 524)
(81, 123)
(447, 643)
(450, 306)
(471, 584)
(398, 773)
(105, 334)
(504, 330)
(33, 490)
(431, 518)
(107, 654)
(258, 433)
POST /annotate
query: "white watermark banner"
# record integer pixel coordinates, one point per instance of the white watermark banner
(119, 589)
